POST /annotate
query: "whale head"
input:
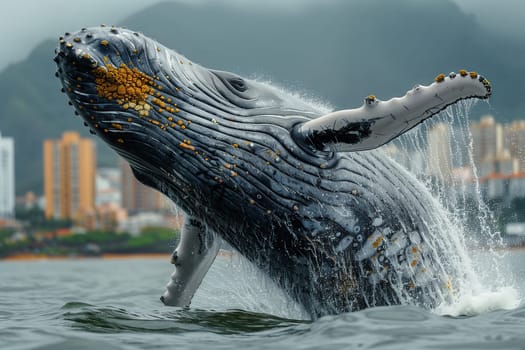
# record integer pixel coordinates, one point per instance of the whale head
(170, 117)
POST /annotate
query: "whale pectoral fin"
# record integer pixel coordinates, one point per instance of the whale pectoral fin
(377, 122)
(197, 249)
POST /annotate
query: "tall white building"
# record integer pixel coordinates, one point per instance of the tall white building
(7, 177)
(515, 141)
(439, 157)
(487, 139)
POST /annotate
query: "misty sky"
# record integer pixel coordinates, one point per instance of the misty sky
(25, 23)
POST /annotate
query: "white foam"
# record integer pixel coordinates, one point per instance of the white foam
(506, 298)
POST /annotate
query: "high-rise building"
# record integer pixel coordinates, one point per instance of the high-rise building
(487, 139)
(515, 141)
(7, 177)
(69, 176)
(439, 157)
(137, 197)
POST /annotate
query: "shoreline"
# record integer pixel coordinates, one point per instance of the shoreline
(106, 256)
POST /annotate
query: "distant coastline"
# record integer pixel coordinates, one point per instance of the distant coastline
(106, 256)
(40, 257)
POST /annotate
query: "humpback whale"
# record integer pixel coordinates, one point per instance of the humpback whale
(301, 192)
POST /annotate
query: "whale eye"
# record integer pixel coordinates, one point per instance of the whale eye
(238, 84)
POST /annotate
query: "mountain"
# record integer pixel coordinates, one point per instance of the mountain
(335, 53)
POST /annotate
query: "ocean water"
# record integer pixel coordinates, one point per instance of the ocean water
(114, 304)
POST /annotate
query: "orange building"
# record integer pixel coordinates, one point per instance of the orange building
(69, 176)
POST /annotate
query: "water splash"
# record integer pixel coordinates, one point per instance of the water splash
(448, 170)
(243, 286)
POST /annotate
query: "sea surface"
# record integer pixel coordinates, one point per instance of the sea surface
(114, 304)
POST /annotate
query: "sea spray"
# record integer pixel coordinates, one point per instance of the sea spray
(443, 150)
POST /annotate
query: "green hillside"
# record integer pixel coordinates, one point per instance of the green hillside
(335, 53)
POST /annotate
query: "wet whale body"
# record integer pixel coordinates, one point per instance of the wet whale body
(301, 192)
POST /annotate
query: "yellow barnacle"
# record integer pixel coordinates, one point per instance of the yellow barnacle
(377, 242)
(120, 140)
(463, 72)
(252, 201)
(116, 126)
(153, 121)
(177, 110)
(130, 120)
(414, 250)
(413, 263)
(183, 127)
(186, 146)
(86, 56)
(121, 90)
(235, 145)
(180, 122)
(69, 45)
(104, 42)
(440, 78)
(449, 284)
(170, 119)
(122, 84)
(473, 75)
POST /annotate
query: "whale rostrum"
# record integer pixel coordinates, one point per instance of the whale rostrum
(301, 192)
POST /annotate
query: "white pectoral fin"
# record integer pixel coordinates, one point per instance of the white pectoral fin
(192, 258)
(377, 122)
